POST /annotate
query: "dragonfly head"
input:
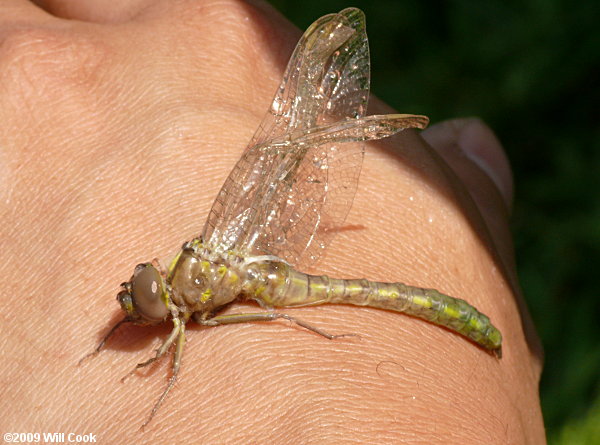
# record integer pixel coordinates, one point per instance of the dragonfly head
(144, 297)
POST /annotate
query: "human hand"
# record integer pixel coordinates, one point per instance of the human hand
(117, 129)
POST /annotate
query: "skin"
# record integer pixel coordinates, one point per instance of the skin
(117, 128)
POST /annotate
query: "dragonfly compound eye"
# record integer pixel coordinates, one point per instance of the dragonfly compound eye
(147, 290)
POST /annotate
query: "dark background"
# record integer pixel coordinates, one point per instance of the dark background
(530, 69)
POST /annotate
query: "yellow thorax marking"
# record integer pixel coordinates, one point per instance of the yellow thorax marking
(165, 296)
(205, 265)
(233, 278)
(206, 295)
(174, 262)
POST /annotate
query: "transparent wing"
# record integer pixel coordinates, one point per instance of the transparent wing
(300, 226)
(298, 178)
(327, 78)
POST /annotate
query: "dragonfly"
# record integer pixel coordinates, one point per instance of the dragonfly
(293, 184)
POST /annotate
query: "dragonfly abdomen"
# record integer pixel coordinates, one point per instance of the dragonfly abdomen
(285, 287)
(299, 289)
(427, 304)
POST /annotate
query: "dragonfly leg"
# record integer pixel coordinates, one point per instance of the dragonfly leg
(177, 328)
(173, 379)
(103, 341)
(264, 316)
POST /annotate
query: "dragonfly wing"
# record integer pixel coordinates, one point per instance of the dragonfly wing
(327, 78)
(314, 202)
(281, 194)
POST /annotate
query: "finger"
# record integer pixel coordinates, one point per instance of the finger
(99, 11)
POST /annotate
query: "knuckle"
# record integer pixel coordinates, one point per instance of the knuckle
(229, 37)
(48, 62)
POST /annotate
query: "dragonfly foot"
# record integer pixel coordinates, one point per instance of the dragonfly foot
(160, 401)
(334, 337)
(138, 366)
(102, 342)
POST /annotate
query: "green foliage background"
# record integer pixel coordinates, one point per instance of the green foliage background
(530, 69)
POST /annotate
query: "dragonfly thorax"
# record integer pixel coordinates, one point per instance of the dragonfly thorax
(201, 281)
